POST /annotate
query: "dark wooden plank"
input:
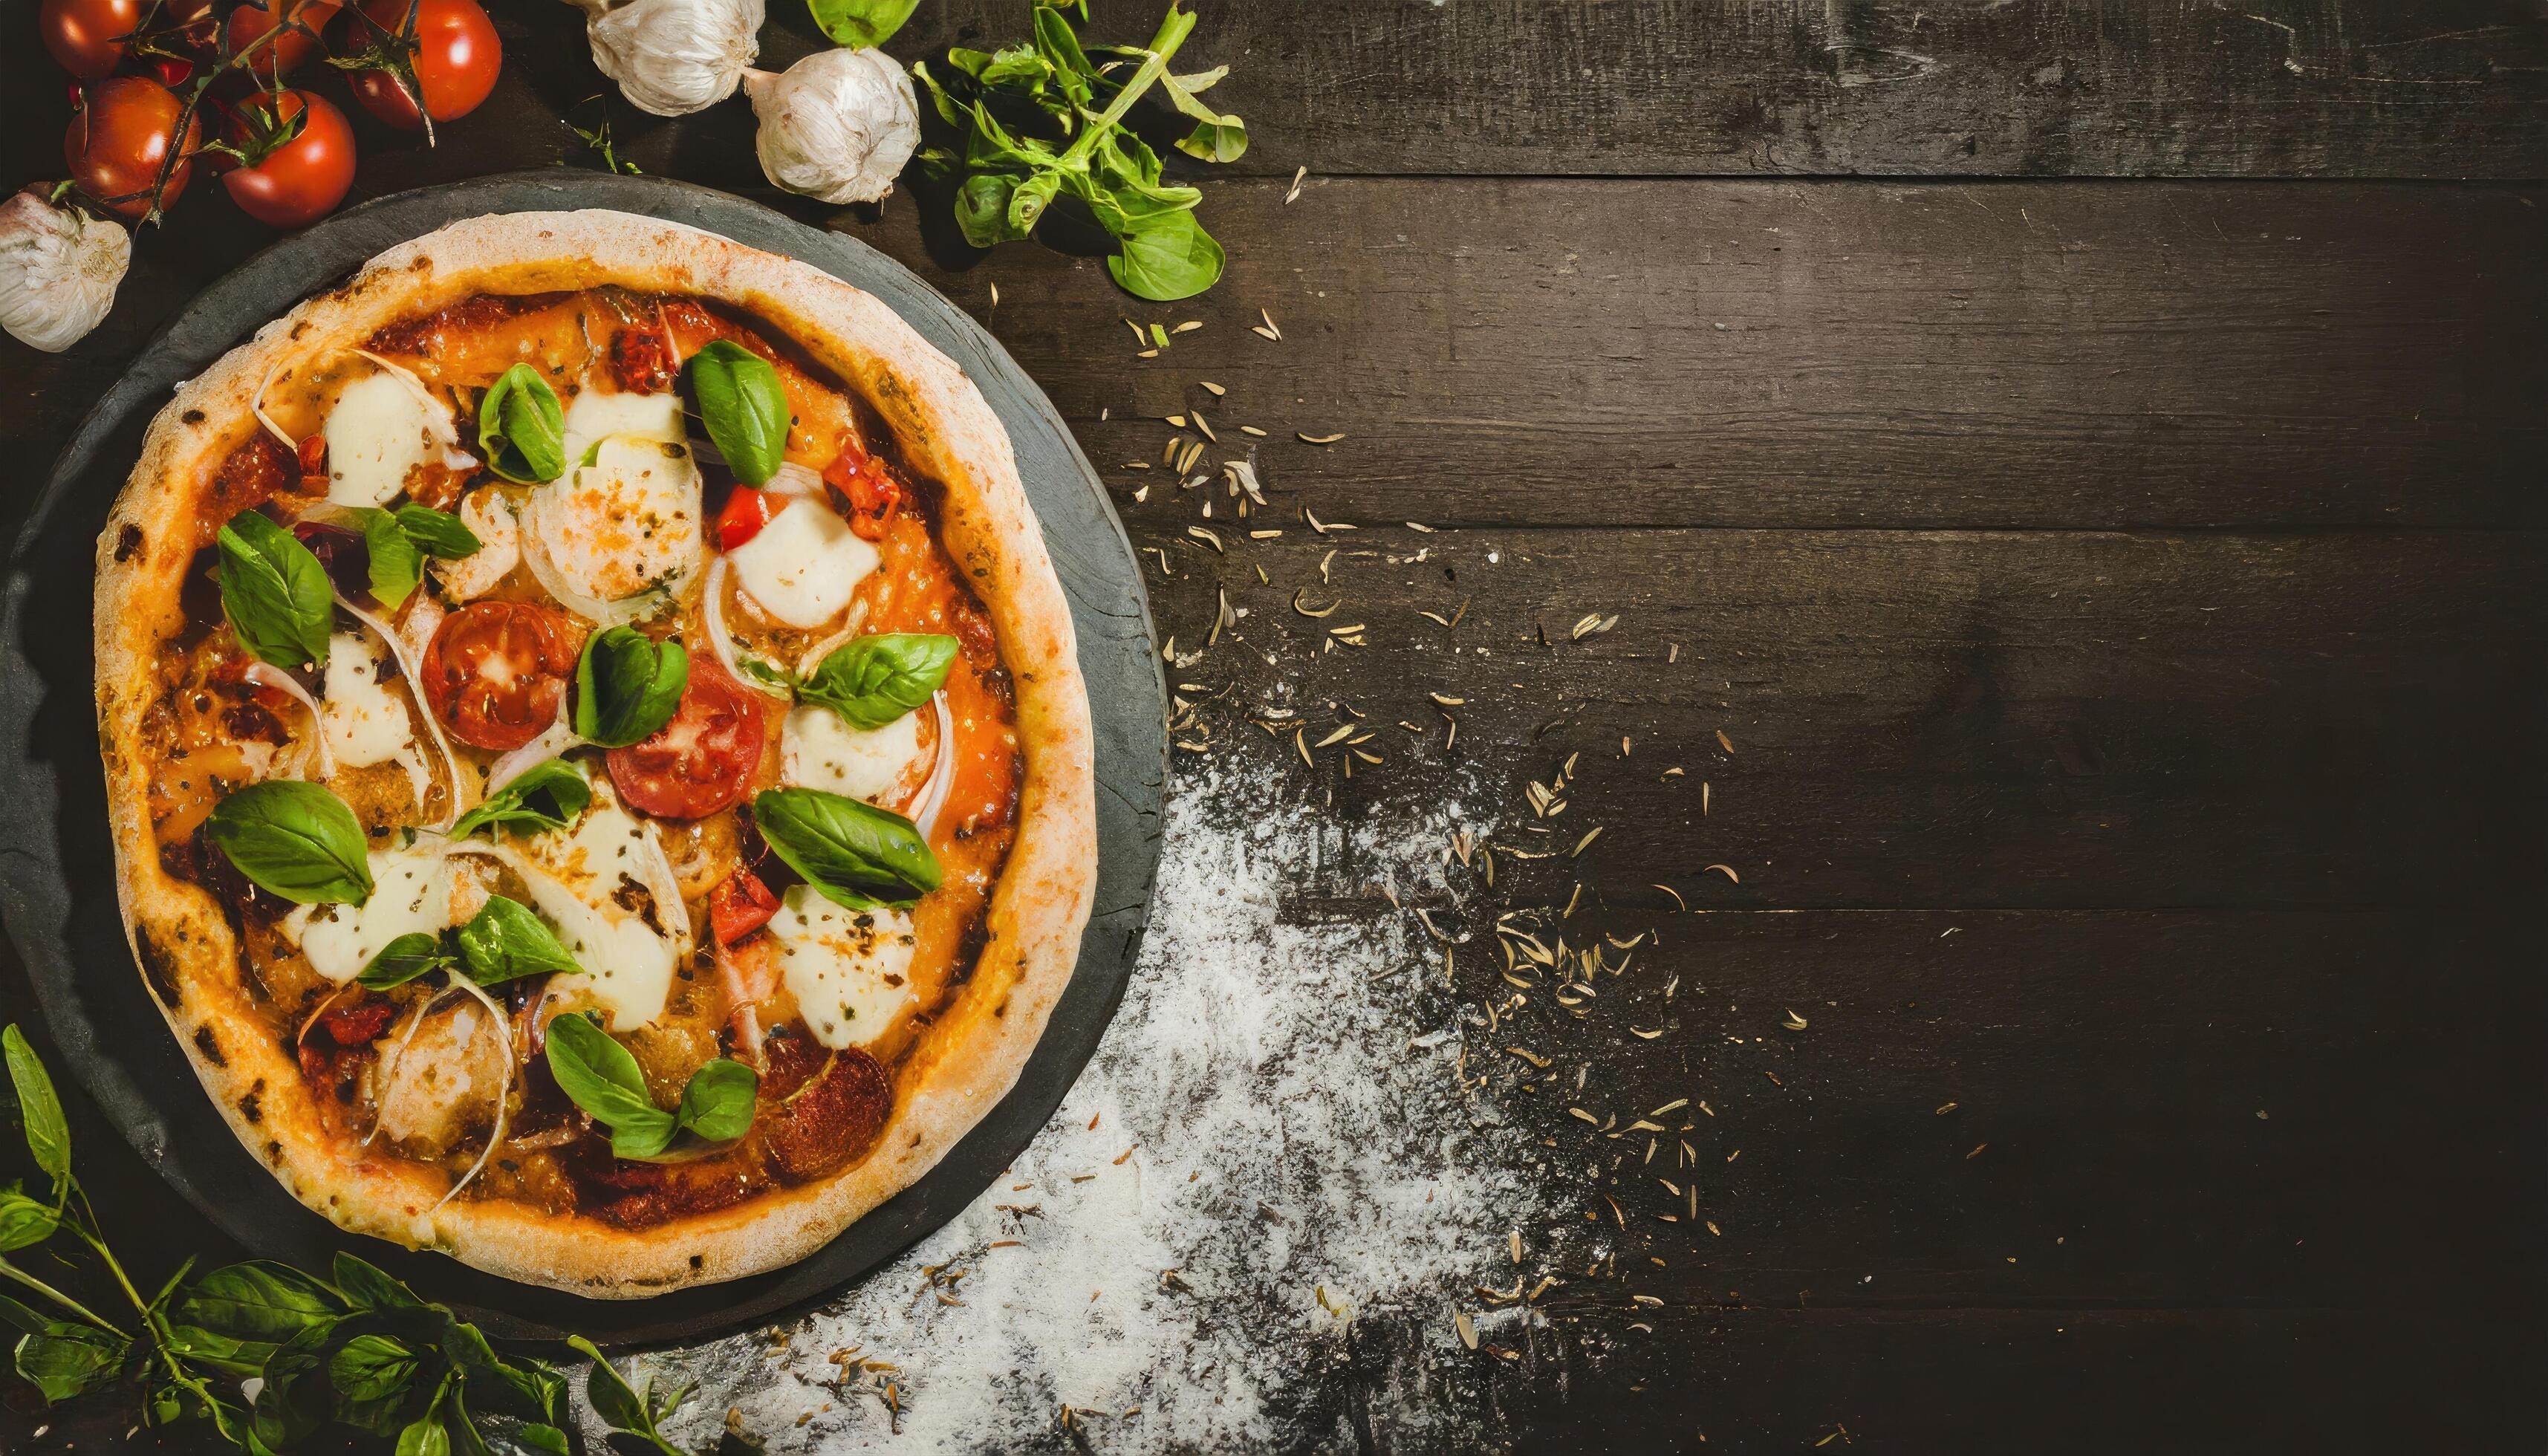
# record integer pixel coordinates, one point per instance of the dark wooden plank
(2020, 354)
(1993, 719)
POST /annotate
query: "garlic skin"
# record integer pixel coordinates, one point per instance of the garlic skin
(837, 126)
(672, 57)
(59, 271)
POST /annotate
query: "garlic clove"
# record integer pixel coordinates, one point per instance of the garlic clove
(58, 270)
(672, 57)
(837, 126)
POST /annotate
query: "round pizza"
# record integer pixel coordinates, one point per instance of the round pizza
(599, 772)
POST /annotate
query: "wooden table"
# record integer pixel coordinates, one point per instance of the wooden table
(2106, 615)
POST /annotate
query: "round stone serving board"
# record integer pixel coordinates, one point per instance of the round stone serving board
(57, 893)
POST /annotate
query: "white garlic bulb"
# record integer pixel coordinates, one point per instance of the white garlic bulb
(672, 57)
(837, 126)
(59, 269)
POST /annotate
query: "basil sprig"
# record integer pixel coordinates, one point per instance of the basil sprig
(295, 840)
(739, 400)
(876, 678)
(547, 795)
(396, 542)
(274, 592)
(1040, 120)
(626, 686)
(521, 427)
(503, 941)
(854, 854)
(599, 1075)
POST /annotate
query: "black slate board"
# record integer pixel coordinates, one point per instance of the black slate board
(57, 879)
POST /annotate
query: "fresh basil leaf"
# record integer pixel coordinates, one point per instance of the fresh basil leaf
(274, 592)
(424, 1436)
(983, 208)
(365, 1286)
(296, 1398)
(521, 427)
(860, 24)
(1217, 136)
(854, 854)
(295, 840)
(1169, 258)
(626, 686)
(505, 942)
(873, 680)
(498, 1434)
(19, 1317)
(40, 1107)
(403, 959)
(547, 795)
(599, 1075)
(621, 1406)
(26, 1222)
(68, 1360)
(437, 532)
(717, 1102)
(392, 560)
(373, 1367)
(744, 408)
(235, 1317)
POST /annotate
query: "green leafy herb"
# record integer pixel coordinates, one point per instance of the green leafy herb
(626, 686)
(505, 942)
(739, 400)
(860, 24)
(1040, 120)
(627, 1408)
(876, 678)
(274, 592)
(24, 1222)
(295, 840)
(854, 854)
(40, 1107)
(405, 959)
(547, 795)
(396, 542)
(437, 532)
(599, 1075)
(68, 1359)
(521, 427)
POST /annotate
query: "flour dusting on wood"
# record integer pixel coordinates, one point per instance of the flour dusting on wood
(1266, 1193)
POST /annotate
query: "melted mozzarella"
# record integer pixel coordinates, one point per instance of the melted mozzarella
(594, 417)
(584, 881)
(365, 722)
(380, 430)
(804, 566)
(820, 749)
(413, 890)
(850, 970)
(490, 517)
(629, 522)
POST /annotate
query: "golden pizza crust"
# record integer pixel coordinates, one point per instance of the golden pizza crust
(963, 1063)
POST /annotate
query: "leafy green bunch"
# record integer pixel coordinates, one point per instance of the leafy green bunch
(357, 1348)
(1040, 120)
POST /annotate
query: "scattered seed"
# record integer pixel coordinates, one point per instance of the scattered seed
(1189, 327)
(1976, 1152)
(1205, 535)
(1676, 894)
(1725, 870)
(1724, 742)
(1310, 439)
(1271, 331)
(1468, 1329)
(1297, 179)
(1793, 1022)
(1201, 424)
(1586, 841)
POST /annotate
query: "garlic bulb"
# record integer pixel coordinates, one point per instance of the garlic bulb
(837, 126)
(672, 57)
(59, 269)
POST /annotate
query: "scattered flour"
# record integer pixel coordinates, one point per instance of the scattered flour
(1301, 1158)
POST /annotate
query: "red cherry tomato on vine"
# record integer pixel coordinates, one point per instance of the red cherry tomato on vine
(288, 51)
(457, 57)
(87, 36)
(118, 139)
(301, 180)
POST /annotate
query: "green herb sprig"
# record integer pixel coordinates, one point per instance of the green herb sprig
(873, 680)
(599, 1075)
(503, 941)
(1040, 120)
(358, 1348)
(853, 853)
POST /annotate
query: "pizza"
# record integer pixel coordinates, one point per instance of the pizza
(599, 769)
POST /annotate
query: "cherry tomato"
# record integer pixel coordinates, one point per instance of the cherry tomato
(286, 50)
(702, 759)
(745, 512)
(496, 674)
(87, 36)
(864, 489)
(457, 57)
(740, 905)
(304, 179)
(120, 136)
